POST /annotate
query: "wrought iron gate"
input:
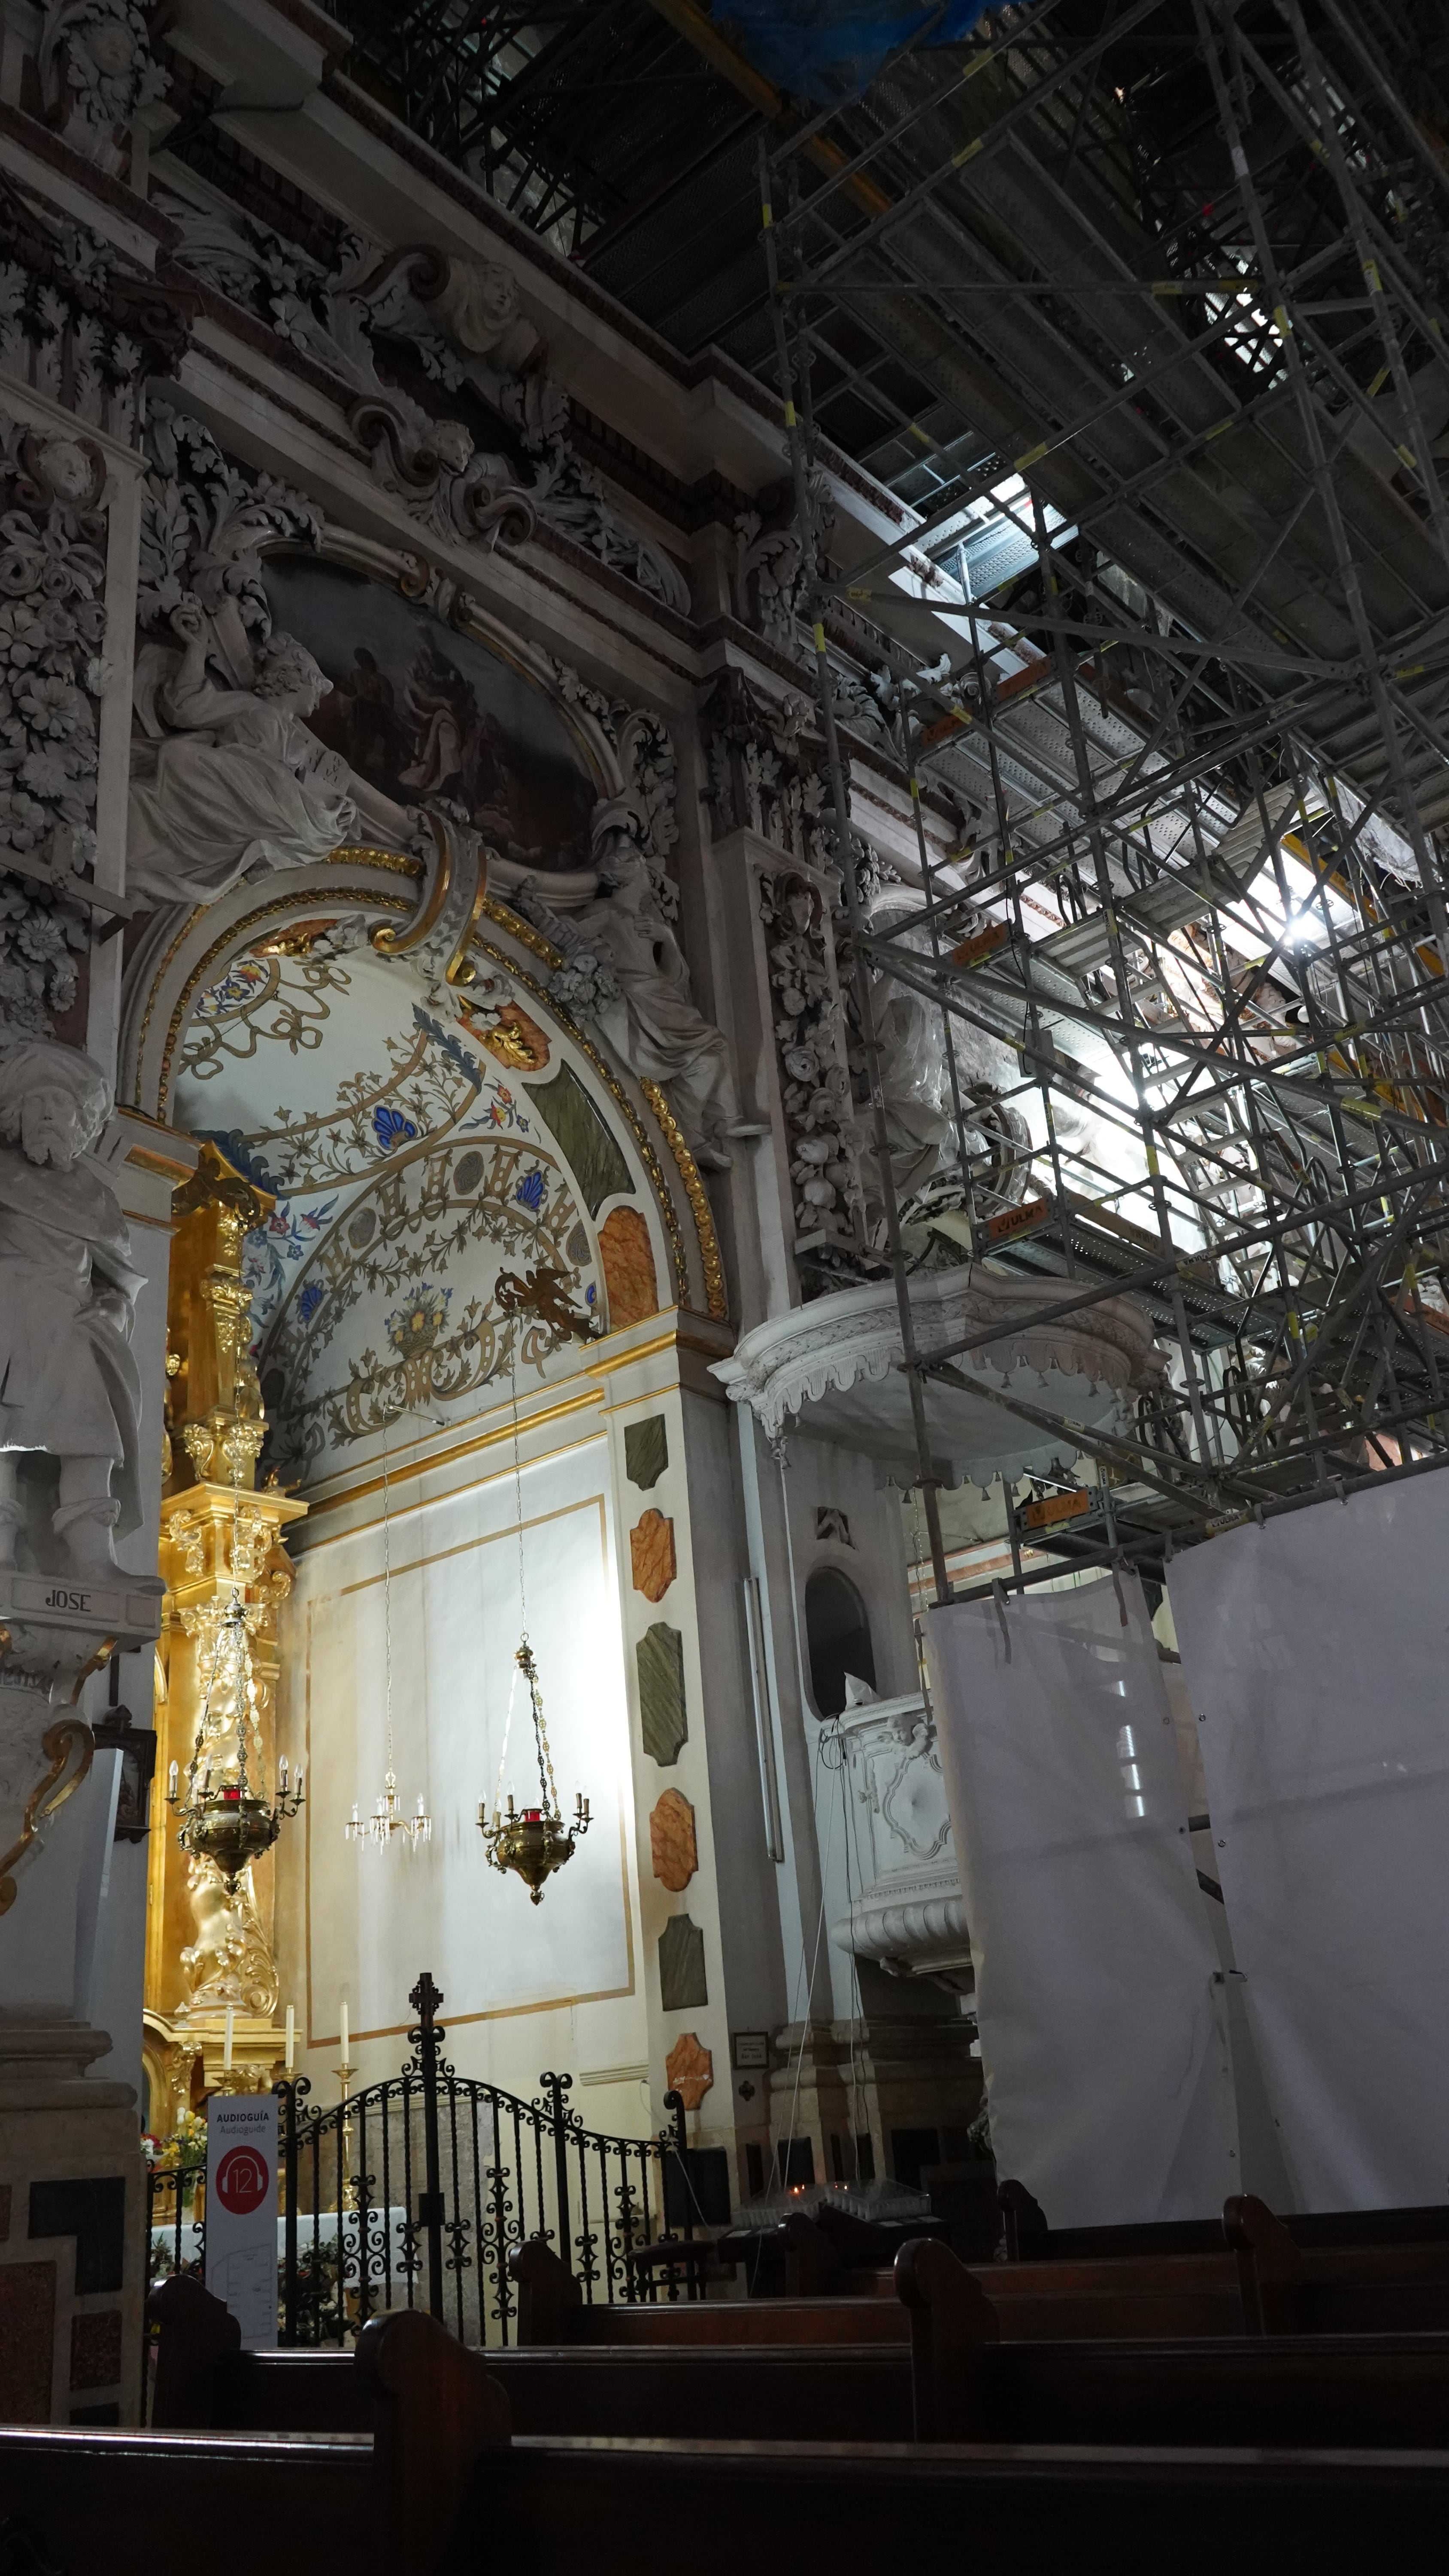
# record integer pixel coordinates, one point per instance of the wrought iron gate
(414, 2192)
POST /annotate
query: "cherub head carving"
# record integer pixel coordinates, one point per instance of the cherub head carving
(54, 1101)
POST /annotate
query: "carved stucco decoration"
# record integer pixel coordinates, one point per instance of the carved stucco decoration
(836, 1366)
(814, 1067)
(764, 772)
(81, 329)
(226, 775)
(78, 322)
(772, 578)
(910, 1913)
(461, 318)
(52, 628)
(208, 526)
(68, 1291)
(204, 609)
(97, 74)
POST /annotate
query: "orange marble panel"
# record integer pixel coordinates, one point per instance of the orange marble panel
(651, 1554)
(690, 2070)
(629, 1281)
(672, 1845)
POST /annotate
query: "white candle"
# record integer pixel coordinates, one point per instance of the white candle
(344, 2034)
(173, 1779)
(291, 2038)
(226, 2050)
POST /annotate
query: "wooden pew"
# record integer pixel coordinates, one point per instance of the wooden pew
(1310, 2391)
(1169, 2295)
(957, 2381)
(552, 2310)
(1256, 2279)
(388, 2496)
(1026, 2236)
(132, 2502)
(1306, 2284)
(819, 2392)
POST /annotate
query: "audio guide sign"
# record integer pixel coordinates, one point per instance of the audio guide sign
(241, 2211)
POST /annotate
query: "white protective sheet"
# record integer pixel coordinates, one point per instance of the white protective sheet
(1102, 2038)
(1316, 1648)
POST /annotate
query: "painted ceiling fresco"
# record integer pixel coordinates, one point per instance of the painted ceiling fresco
(427, 714)
(428, 1155)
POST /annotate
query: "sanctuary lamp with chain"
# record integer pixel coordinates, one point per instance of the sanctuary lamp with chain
(531, 1841)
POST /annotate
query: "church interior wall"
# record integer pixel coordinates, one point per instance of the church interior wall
(359, 1924)
(243, 1000)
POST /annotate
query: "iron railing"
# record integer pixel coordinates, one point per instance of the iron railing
(415, 2191)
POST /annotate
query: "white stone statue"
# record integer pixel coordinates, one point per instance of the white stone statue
(69, 1384)
(628, 973)
(237, 780)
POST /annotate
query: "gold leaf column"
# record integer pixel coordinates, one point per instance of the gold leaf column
(207, 1948)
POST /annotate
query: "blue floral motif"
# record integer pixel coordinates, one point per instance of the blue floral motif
(287, 1236)
(391, 1128)
(310, 1299)
(531, 1191)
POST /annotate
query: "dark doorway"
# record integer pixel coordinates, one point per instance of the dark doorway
(837, 1634)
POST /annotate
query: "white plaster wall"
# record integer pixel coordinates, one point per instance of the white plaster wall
(526, 1987)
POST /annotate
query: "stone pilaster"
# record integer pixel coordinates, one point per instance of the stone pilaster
(71, 2173)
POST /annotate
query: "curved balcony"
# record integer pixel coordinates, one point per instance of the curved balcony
(834, 1369)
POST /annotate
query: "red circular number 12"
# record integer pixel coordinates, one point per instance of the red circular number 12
(242, 2180)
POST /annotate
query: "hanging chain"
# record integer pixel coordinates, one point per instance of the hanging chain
(386, 1603)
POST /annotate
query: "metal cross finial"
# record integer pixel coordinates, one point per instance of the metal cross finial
(425, 1998)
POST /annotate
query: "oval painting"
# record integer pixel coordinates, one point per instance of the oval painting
(432, 717)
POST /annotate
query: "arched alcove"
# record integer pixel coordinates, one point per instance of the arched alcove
(429, 1152)
(837, 1638)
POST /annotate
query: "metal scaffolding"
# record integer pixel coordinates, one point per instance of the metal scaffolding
(1151, 306)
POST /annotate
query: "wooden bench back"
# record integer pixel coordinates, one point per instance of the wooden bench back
(1026, 2237)
(552, 2310)
(130, 2503)
(751, 2392)
(972, 2381)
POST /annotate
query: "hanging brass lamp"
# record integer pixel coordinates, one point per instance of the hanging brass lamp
(222, 1816)
(532, 1841)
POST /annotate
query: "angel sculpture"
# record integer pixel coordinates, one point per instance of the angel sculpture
(69, 1384)
(624, 968)
(236, 778)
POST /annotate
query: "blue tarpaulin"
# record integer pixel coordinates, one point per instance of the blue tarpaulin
(828, 49)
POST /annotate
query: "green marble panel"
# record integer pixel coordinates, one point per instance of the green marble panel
(588, 1144)
(682, 1981)
(659, 1657)
(646, 1450)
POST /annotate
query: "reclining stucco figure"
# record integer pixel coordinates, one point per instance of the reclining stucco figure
(69, 1383)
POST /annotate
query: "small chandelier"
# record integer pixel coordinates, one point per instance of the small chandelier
(227, 1822)
(387, 1819)
(532, 1841)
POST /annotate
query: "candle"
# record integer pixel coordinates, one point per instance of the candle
(344, 2034)
(226, 2049)
(173, 1780)
(282, 1774)
(291, 2038)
